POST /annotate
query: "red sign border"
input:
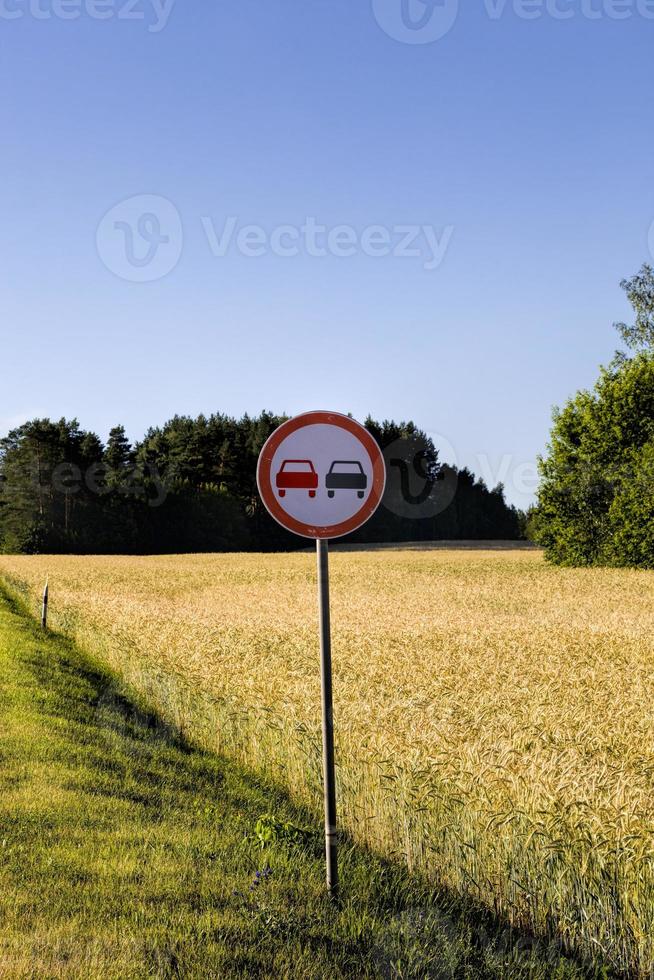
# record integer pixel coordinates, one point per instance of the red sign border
(267, 493)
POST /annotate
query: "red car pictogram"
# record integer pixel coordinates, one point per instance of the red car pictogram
(297, 474)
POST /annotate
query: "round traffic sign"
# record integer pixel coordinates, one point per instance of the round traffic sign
(321, 475)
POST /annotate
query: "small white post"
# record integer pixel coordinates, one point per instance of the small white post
(44, 607)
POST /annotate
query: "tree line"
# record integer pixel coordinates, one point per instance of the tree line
(190, 486)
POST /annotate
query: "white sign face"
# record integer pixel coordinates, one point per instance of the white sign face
(321, 475)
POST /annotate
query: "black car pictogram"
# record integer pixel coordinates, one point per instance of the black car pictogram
(346, 474)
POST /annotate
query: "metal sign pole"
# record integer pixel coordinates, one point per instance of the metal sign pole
(322, 554)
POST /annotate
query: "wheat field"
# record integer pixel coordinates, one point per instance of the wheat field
(494, 715)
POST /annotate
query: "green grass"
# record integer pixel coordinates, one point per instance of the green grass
(125, 852)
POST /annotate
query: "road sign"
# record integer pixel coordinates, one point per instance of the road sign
(321, 475)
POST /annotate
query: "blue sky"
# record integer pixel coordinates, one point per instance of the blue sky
(512, 158)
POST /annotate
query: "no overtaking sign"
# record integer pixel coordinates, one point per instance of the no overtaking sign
(321, 475)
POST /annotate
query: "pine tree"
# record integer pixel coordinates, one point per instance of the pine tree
(118, 456)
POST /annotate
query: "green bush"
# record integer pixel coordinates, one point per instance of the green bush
(596, 500)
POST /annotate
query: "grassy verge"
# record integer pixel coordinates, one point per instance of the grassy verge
(125, 852)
